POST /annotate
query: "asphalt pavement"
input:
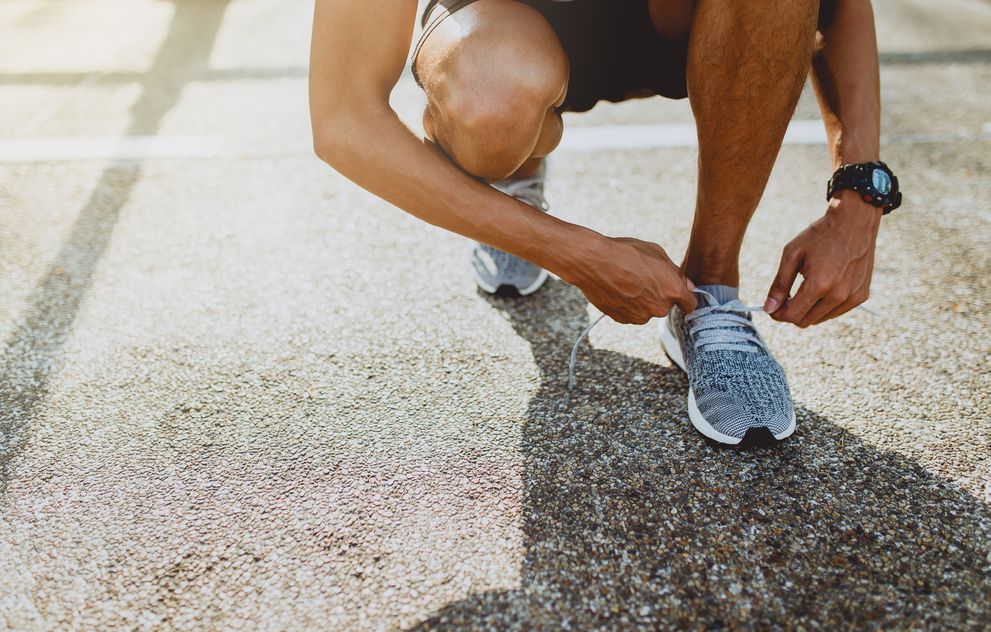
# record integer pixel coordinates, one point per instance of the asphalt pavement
(239, 392)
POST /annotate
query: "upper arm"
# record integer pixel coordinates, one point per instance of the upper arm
(357, 53)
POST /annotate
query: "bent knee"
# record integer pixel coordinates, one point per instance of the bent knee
(490, 131)
(490, 101)
(491, 134)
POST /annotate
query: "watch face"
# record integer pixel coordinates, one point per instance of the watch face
(881, 181)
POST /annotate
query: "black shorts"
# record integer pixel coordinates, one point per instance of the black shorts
(614, 51)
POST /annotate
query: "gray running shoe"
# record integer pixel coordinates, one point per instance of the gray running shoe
(499, 272)
(737, 391)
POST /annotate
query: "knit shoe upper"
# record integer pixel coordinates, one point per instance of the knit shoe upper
(736, 387)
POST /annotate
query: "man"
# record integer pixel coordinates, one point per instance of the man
(499, 73)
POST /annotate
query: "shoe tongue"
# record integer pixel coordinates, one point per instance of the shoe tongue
(722, 293)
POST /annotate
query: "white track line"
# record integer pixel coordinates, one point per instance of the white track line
(810, 132)
(576, 139)
(977, 6)
(110, 148)
(667, 135)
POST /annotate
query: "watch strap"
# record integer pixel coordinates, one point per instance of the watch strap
(856, 177)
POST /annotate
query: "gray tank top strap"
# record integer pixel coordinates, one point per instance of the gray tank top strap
(448, 7)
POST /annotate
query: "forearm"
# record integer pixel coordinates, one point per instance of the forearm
(847, 82)
(373, 148)
(357, 133)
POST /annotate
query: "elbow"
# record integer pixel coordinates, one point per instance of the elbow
(340, 134)
(327, 145)
(323, 147)
(336, 141)
(330, 127)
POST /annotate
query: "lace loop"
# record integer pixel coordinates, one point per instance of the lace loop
(725, 327)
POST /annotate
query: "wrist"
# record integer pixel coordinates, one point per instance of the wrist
(571, 250)
(848, 207)
(851, 149)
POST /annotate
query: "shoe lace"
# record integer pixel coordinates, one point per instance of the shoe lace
(724, 327)
(573, 362)
(718, 327)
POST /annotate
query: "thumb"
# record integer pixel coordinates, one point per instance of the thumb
(687, 301)
(781, 287)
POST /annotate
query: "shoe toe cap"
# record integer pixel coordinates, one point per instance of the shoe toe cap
(745, 419)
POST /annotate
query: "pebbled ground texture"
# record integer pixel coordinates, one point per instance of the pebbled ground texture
(239, 392)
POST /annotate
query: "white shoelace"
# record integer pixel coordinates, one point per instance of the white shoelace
(574, 351)
(724, 329)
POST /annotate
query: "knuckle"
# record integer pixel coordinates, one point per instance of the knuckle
(839, 295)
(790, 253)
(821, 285)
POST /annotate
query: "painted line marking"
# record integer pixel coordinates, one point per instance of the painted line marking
(667, 135)
(810, 132)
(125, 148)
(576, 139)
(974, 5)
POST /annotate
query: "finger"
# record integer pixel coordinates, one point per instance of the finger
(621, 316)
(780, 290)
(848, 305)
(838, 311)
(799, 306)
(857, 298)
(687, 301)
(820, 309)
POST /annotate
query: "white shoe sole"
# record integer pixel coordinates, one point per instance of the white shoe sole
(524, 291)
(672, 347)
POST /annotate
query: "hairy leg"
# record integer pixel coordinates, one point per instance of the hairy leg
(494, 73)
(747, 63)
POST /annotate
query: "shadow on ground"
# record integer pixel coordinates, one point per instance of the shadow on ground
(631, 520)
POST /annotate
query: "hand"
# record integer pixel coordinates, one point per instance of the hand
(632, 281)
(835, 257)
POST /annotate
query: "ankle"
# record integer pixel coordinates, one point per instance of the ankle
(711, 272)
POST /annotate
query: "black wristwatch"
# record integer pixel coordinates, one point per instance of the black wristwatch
(874, 181)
